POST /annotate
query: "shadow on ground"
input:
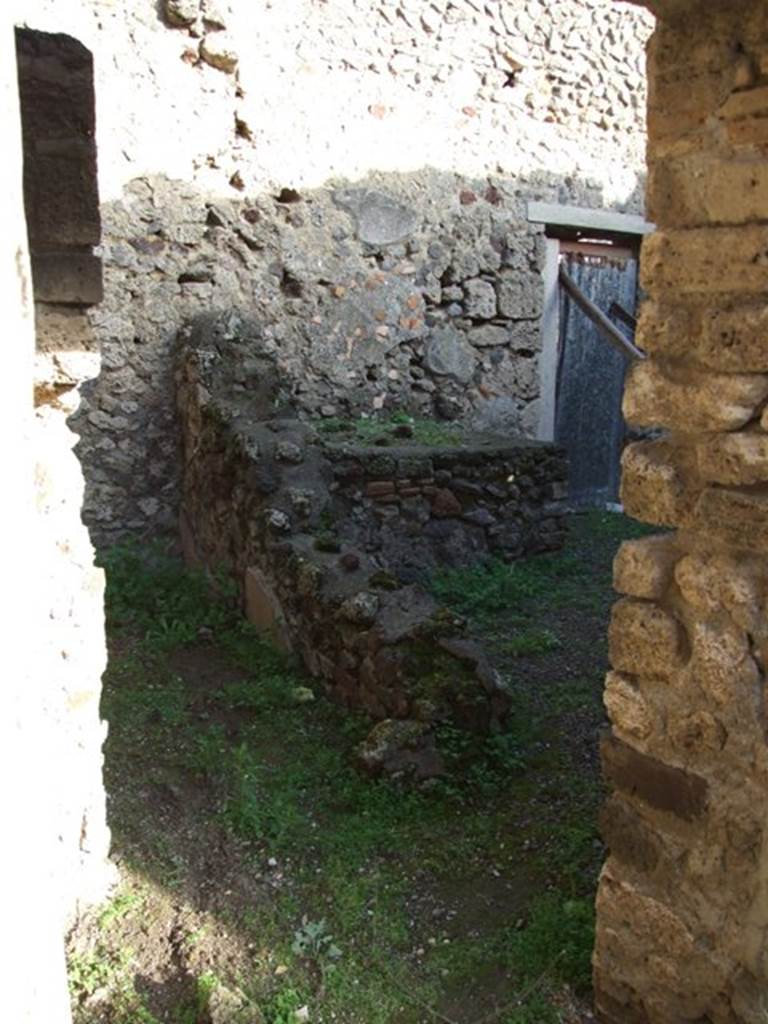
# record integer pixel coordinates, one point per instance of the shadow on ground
(264, 880)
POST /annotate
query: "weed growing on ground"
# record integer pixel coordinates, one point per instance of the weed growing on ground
(529, 642)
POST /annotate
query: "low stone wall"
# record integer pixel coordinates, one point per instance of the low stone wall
(328, 540)
(425, 507)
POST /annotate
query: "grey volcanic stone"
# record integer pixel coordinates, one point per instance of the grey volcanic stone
(489, 336)
(479, 299)
(380, 219)
(520, 295)
(448, 354)
(498, 416)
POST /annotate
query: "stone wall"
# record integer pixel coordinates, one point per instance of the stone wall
(682, 914)
(331, 541)
(241, 151)
(453, 503)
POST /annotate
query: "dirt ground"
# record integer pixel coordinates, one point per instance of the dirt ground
(264, 880)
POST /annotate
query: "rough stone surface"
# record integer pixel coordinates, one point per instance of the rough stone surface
(644, 567)
(400, 748)
(654, 483)
(379, 219)
(644, 638)
(693, 402)
(448, 355)
(211, 205)
(333, 539)
(681, 916)
(665, 788)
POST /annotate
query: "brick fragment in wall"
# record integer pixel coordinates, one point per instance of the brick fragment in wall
(705, 188)
(727, 337)
(661, 786)
(627, 835)
(714, 260)
(740, 458)
(644, 639)
(653, 487)
(629, 712)
(688, 400)
(643, 567)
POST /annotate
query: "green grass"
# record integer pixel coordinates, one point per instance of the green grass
(485, 590)
(278, 783)
(533, 587)
(380, 430)
(528, 642)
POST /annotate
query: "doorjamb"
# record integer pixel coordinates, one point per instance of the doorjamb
(575, 222)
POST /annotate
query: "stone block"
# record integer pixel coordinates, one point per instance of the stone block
(644, 639)
(723, 666)
(627, 709)
(697, 732)
(713, 582)
(740, 458)
(68, 277)
(728, 337)
(263, 608)
(753, 132)
(689, 400)
(738, 517)
(653, 488)
(447, 354)
(489, 336)
(643, 567)
(380, 219)
(705, 188)
(479, 299)
(715, 260)
(520, 295)
(663, 787)
(745, 103)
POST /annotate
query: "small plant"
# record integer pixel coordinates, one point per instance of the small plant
(529, 642)
(312, 942)
(88, 972)
(285, 1007)
(205, 986)
(122, 903)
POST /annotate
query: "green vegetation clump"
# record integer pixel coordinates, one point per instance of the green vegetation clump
(394, 429)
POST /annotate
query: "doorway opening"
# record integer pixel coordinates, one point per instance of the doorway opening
(591, 294)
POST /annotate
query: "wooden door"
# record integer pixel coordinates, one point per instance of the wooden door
(590, 378)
